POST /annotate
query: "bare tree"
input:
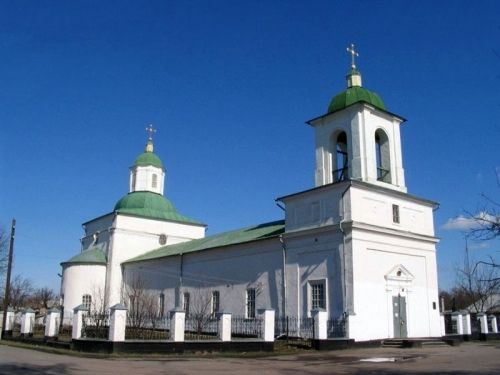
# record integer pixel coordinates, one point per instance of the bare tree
(21, 290)
(487, 221)
(43, 298)
(143, 306)
(477, 282)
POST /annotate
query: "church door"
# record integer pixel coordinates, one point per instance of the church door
(399, 316)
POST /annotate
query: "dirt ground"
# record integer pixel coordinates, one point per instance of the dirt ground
(468, 358)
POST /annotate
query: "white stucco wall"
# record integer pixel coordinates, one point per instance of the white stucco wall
(230, 270)
(374, 256)
(78, 280)
(133, 236)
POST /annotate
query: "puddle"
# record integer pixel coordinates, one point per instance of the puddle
(379, 359)
(388, 359)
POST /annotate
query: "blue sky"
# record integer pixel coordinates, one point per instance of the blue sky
(229, 85)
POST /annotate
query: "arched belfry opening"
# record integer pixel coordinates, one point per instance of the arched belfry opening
(340, 157)
(383, 157)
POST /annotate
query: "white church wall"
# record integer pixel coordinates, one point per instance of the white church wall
(374, 207)
(314, 257)
(325, 128)
(97, 232)
(370, 120)
(229, 270)
(78, 280)
(314, 208)
(374, 256)
(134, 236)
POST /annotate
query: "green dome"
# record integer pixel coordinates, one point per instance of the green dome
(148, 158)
(149, 204)
(353, 95)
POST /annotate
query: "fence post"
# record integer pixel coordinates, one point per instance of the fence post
(78, 314)
(320, 317)
(457, 317)
(27, 322)
(9, 322)
(466, 323)
(117, 323)
(267, 316)
(177, 324)
(442, 325)
(52, 323)
(494, 327)
(224, 326)
(483, 319)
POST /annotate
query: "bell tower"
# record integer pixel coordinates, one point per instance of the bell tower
(358, 138)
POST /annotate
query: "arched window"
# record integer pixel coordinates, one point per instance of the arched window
(87, 301)
(340, 158)
(383, 157)
(154, 182)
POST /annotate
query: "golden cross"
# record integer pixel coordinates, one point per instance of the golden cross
(354, 54)
(150, 130)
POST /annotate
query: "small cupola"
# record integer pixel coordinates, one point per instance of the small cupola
(355, 91)
(147, 173)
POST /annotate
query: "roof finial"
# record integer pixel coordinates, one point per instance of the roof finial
(354, 54)
(353, 76)
(150, 130)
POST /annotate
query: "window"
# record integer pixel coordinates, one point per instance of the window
(133, 182)
(215, 302)
(340, 158)
(185, 304)
(161, 305)
(154, 182)
(250, 303)
(395, 213)
(87, 301)
(318, 300)
(382, 156)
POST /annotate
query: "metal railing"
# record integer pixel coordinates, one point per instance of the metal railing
(383, 174)
(156, 328)
(242, 327)
(335, 327)
(340, 174)
(95, 325)
(201, 327)
(294, 327)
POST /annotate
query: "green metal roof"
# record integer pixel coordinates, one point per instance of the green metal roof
(254, 233)
(152, 205)
(148, 158)
(353, 95)
(91, 256)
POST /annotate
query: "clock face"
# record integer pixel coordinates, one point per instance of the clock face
(162, 239)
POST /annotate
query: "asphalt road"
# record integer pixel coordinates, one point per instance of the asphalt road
(469, 358)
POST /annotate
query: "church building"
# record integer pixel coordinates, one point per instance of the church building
(357, 244)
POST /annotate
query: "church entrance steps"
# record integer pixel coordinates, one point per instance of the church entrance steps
(414, 343)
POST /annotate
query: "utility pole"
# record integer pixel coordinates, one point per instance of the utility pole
(6, 298)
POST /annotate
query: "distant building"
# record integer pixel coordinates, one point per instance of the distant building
(357, 244)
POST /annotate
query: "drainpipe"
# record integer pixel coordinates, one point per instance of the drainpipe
(283, 277)
(180, 279)
(344, 291)
(283, 273)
